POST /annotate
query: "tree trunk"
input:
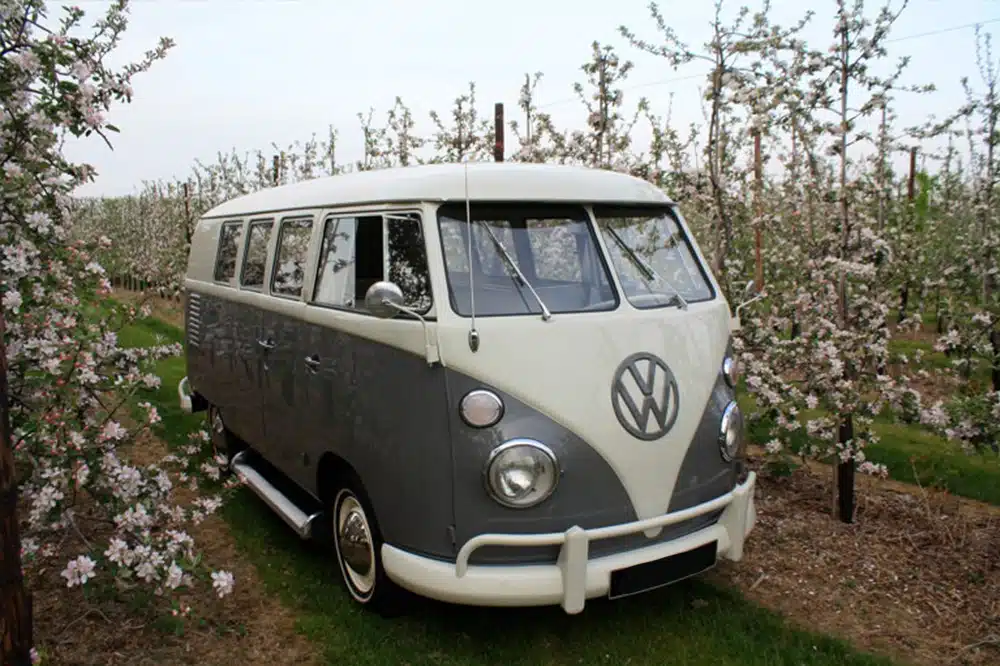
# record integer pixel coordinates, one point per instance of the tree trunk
(845, 470)
(15, 603)
(995, 370)
(845, 474)
(188, 227)
(904, 298)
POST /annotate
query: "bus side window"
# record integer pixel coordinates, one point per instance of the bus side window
(350, 261)
(353, 257)
(255, 256)
(368, 258)
(288, 273)
(407, 265)
(335, 273)
(229, 241)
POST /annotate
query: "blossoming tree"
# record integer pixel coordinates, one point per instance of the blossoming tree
(70, 384)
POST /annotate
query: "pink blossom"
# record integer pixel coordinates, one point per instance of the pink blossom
(114, 430)
(79, 571)
(222, 582)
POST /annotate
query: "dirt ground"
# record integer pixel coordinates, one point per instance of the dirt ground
(91, 627)
(249, 628)
(916, 576)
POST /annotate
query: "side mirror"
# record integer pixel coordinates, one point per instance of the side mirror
(384, 299)
(749, 291)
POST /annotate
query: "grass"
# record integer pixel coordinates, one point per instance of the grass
(931, 360)
(691, 623)
(936, 462)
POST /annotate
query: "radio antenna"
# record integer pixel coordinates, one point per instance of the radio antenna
(473, 333)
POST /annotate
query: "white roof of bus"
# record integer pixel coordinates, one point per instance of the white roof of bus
(488, 181)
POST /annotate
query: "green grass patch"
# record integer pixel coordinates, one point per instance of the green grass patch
(175, 424)
(930, 360)
(936, 462)
(689, 624)
(935, 361)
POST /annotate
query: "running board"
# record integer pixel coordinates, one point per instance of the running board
(290, 512)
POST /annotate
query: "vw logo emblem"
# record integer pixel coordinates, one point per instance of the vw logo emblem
(645, 387)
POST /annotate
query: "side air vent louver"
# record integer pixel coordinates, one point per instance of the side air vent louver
(194, 319)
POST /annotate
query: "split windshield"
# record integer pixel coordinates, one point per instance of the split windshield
(554, 249)
(553, 246)
(654, 259)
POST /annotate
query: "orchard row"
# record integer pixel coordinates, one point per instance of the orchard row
(790, 182)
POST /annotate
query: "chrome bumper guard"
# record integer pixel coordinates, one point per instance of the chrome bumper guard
(184, 394)
(191, 401)
(737, 520)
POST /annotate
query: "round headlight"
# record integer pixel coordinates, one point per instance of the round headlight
(731, 371)
(521, 473)
(481, 408)
(731, 432)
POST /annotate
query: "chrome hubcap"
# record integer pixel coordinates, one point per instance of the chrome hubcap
(355, 544)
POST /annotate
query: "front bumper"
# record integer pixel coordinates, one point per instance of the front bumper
(574, 578)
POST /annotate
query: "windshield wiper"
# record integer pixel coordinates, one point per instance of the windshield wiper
(651, 274)
(546, 315)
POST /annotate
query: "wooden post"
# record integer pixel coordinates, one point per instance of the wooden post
(758, 181)
(187, 214)
(995, 368)
(498, 132)
(911, 193)
(15, 602)
(911, 189)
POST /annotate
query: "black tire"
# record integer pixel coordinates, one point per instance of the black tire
(364, 578)
(224, 442)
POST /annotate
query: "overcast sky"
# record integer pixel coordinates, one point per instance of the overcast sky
(246, 73)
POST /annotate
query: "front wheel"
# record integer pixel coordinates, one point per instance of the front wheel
(357, 545)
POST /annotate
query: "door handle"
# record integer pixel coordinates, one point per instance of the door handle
(312, 362)
(266, 344)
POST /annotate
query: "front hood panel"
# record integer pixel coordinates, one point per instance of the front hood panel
(566, 369)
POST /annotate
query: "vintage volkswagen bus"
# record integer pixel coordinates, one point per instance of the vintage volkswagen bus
(493, 384)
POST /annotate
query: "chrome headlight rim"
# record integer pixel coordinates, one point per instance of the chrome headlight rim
(731, 422)
(507, 446)
(479, 394)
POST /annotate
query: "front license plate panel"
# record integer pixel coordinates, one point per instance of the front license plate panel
(664, 571)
